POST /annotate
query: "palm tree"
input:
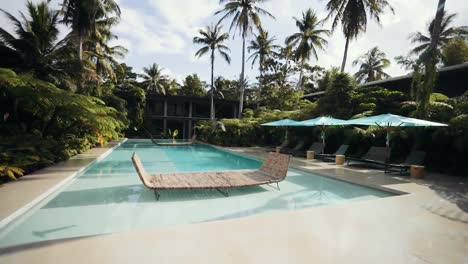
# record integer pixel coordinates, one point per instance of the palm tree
(245, 15)
(263, 48)
(82, 15)
(307, 40)
(352, 14)
(35, 46)
(372, 65)
(447, 33)
(154, 79)
(212, 38)
(101, 53)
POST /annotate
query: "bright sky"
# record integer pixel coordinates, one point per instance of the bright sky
(161, 31)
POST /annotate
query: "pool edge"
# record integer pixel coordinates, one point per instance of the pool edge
(25, 208)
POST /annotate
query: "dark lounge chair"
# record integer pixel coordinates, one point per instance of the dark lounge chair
(299, 147)
(316, 147)
(331, 157)
(416, 157)
(374, 156)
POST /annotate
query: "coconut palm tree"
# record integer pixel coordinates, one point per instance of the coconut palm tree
(154, 79)
(101, 53)
(82, 15)
(262, 47)
(35, 46)
(372, 65)
(246, 17)
(447, 33)
(352, 14)
(310, 37)
(212, 38)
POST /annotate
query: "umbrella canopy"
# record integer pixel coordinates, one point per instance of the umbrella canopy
(388, 120)
(283, 122)
(322, 121)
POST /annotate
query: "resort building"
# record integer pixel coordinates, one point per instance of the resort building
(452, 81)
(182, 113)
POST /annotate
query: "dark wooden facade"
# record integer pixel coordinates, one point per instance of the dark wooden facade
(182, 113)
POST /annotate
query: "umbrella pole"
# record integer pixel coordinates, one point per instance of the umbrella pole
(387, 145)
(323, 139)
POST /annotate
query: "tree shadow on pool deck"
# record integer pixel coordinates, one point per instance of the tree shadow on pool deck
(139, 194)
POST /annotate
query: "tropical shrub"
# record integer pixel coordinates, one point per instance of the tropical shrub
(43, 124)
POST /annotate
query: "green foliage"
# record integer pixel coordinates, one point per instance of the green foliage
(460, 122)
(282, 98)
(10, 172)
(377, 99)
(337, 99)
(46, 124)
(455, 52)
(193, 86)
(440, 112)
(438, 97)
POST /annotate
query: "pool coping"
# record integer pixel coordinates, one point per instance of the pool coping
(25, 208)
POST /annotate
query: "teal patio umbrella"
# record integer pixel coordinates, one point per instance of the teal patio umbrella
(322, 122)
(387, 121)
(282, 123)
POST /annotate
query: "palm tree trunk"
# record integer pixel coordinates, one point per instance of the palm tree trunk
(301, 75)
(345, 54)
(241, 101)
(80, 47)
(435, 34)
(260, 66)
(212, 110)
(430, 63)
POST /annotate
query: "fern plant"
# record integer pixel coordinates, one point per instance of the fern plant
(11, 172)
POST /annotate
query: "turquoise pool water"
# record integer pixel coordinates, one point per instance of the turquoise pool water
(108, 197)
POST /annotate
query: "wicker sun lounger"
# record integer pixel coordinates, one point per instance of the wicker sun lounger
(273, 170)
(316, 147)
(331, 157)
(414, 158)
(375, 155)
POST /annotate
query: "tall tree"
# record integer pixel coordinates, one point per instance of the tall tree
(305, 42)
(446, 33)
(212, 39)
(262, 47)
(372, 66)
(352, 14)
(429, 59)
(82, 15)
(35, 46)
(245, 15)
(154, 80)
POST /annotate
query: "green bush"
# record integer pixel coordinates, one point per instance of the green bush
(44, 124)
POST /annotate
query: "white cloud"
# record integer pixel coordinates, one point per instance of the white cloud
(161, 31)
(146, 34)
(184, 17)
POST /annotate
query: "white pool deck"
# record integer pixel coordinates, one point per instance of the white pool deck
(427, 225)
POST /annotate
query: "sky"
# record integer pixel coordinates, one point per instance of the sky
(161, 31)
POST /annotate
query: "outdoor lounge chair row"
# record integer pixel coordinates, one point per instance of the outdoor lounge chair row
(273, 170)
(378, 156)
(375, 156)
(300, 149)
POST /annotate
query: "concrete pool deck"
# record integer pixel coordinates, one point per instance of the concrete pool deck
(427, 225)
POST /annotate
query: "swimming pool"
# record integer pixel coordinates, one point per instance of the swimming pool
(108, 196)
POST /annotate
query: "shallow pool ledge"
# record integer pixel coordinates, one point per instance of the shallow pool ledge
(19, 196)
